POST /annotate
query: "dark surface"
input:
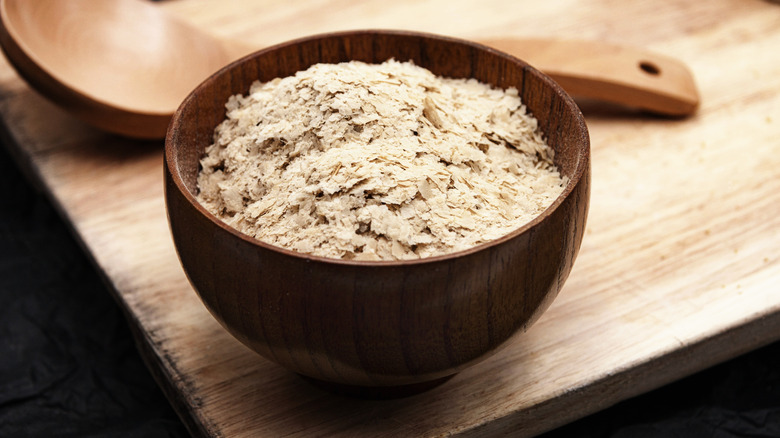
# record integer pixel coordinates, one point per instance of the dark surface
(69, 367)
(68, 363)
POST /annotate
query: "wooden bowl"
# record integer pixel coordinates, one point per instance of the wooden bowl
(389, 324)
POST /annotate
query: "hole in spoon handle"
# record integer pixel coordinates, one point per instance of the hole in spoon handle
(649, 68)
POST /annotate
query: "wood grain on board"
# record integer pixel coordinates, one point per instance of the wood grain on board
(679, 268)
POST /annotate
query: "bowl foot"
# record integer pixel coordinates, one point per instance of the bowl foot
(376, 392)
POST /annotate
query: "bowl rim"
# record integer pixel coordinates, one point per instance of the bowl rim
(582, 165)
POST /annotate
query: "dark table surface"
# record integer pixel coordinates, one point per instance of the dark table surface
(69, 366)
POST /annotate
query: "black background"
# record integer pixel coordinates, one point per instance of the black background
(69, 367)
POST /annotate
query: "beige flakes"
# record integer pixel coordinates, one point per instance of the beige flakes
(377, 162)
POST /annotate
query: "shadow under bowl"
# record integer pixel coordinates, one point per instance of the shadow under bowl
(386, 324)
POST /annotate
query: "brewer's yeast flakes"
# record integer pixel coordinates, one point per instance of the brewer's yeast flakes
(377, 162)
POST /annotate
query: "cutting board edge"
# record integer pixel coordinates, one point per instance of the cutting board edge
(659, 371)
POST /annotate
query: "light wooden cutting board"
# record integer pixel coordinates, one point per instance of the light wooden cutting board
(679, 269)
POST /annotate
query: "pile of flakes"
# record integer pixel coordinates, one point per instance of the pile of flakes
(377, 162)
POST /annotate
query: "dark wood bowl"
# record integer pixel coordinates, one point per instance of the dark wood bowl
(377, 324)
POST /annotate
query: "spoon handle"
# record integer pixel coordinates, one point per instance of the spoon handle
(616, 74)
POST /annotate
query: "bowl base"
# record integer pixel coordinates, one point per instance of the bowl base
(376, 392)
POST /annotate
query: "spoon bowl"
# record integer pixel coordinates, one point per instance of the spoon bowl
(122, 66)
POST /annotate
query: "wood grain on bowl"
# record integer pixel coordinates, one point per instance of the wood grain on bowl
(377, 324)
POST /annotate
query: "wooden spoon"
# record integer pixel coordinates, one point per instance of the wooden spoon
(124, 66)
